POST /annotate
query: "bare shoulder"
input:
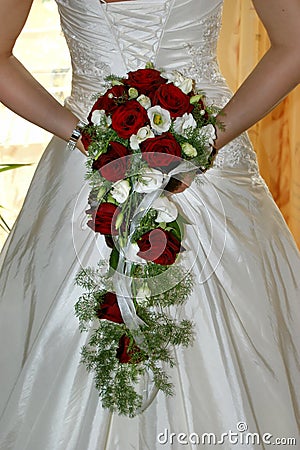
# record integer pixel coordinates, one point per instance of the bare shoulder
(281, 19)
(13, 15)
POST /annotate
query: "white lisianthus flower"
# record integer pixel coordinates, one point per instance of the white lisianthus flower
(100, 118)
(160, 119)
(151, 180)
(209, 133)
(144, 101)
(120, 191)
(184, 123)
(189, 150)
(167, 210)
(142, 134)
(143, 293)
(130, 254)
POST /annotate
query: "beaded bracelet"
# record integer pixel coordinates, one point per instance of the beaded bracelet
(76, 133)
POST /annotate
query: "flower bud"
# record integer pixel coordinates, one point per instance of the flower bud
(189, 150)
(144, 101)
(119, 220)
(149, 65)
(100, 193)
(133, 92)
(116, 83)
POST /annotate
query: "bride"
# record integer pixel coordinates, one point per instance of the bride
(242, 373)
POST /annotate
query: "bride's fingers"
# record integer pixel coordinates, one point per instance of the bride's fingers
(83, 151)
(81, 148)
(179, 188)
(175, 186)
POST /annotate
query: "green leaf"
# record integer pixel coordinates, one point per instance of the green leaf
(4, 167)
(174, 227)
(3, 223)
(114, 258)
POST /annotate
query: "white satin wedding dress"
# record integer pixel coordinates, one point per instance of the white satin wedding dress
(243, 369)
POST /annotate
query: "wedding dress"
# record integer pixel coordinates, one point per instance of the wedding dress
(242, 372)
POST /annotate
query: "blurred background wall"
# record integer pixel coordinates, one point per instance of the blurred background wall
(42, 50)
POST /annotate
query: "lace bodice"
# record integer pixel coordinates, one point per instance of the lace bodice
(105, 38)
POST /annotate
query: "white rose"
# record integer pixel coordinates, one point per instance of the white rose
(144, 101)
(151, 180)
(183, 83)
(189, 150)
(209, 133)
(172, 76)
(184, 123)
(120, 191)
(142, 134)
(99, 118)
(167, 210)
(160, 119)
(186, 85)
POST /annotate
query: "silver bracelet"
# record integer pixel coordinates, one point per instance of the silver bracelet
(76, 133)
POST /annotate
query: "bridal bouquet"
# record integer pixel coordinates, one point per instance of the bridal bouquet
(148, 131)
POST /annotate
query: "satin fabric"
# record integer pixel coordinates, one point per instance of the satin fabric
(244, 363)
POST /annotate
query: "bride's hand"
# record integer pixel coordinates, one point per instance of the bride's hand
(180, 183)
(81, 148)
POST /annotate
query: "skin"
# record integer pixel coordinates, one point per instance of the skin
(272, 79)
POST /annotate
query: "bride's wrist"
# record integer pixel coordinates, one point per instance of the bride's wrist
(74, 138)
(75, 135)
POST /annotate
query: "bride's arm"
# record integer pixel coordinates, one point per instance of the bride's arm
(19, 91)
(277, 73)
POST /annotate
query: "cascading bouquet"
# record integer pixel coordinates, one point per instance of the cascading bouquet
(146, 132)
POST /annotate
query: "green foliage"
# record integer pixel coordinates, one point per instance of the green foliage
(156, 291)
(146, 223)
(118, 383)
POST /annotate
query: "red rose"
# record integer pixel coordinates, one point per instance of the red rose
(104, 218)
(109, 308)
(128, 118)
(144, 80)
(161, 151)
(86, 139)
(159, 246)
(171, 98)
(124, 354)
(113, 164)
(110, 100)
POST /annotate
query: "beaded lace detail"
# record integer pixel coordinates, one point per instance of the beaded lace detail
(203, 63)
(239, 154)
